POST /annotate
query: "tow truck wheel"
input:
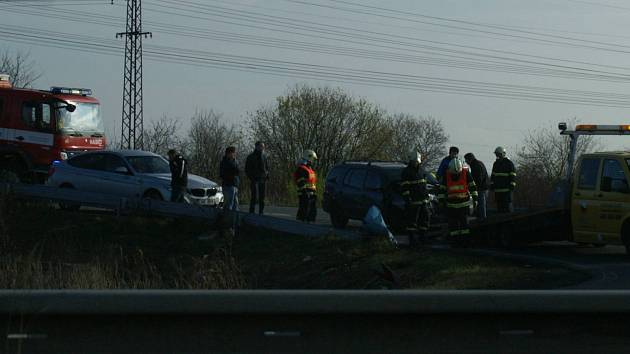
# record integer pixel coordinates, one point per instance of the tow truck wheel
(68, 206)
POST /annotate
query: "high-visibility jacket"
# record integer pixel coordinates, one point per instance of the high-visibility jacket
(413, 185)
(503, 176)
(305, 178)
(457, 190)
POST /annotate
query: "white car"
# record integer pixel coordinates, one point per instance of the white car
(130, 174)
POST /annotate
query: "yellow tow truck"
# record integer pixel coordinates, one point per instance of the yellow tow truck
(593, 207)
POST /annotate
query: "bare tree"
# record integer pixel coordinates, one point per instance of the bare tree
(163, 135)
(337, 126)
(20, 67)
(425, 135)
(542, 161)
(207, 139)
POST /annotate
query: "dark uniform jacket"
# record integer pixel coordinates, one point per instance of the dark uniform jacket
(229, 172)
(256, 166)
(503, 176)
(414, 185)
(479, 174)
(179, 171)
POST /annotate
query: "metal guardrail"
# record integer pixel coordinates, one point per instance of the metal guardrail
(165, 208)
(312, 301)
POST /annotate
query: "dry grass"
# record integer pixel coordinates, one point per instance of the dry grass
(45, 248)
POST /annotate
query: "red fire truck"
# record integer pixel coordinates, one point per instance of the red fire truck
(38, 127)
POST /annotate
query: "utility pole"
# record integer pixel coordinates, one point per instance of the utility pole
(132, 122)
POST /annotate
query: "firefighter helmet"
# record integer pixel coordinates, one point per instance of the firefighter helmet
(500, 151)
(413, 155)
(309, 155)
(455, 166)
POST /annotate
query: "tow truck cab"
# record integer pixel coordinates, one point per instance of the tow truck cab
(600, 199)
(38, 127)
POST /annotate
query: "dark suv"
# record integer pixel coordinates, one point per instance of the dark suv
(354, 186)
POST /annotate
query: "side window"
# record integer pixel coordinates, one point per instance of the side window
(90, 161)
(373, 181)
(29, 113)
(36, 115)
(113, 162)
(589, 168)
(613, 177)
(355, 179)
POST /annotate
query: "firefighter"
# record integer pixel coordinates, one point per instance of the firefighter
(306, 181)
(457, 188)
(503, 181)
(414, 190)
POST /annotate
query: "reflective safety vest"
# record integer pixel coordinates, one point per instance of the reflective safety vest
(305, 178)
(457, 189)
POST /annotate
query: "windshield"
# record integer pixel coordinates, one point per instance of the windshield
(85, 120)
(148, 164)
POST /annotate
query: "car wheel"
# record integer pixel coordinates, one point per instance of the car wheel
(153, 194)
(68, 206)
(338, 219)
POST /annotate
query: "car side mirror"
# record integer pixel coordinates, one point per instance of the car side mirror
(70, 107)
(122, 170)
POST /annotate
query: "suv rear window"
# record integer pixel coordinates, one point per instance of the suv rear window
(335, 175)
(355, 179)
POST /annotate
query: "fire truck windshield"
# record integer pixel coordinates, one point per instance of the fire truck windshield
(85, 120)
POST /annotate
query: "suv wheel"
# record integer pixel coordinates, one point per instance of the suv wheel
(338, 219)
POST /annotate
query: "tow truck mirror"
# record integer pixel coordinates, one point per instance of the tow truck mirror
(70, 107)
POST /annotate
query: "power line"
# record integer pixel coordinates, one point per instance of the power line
(293, 69)
(494, 66)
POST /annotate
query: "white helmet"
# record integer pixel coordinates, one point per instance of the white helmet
(500, 151)
(413, 155)
(309, 155)
(455, 166)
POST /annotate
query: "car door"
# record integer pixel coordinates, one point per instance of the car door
(119, 179)
(585, 201)
(33, 132)
(373, 190)
(86, 173)
(614, 194)
(352, 199)
(3, 119)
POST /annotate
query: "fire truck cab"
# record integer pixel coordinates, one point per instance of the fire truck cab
(38, 127)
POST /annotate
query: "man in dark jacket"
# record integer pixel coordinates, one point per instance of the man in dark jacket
(229, 173)
(413, 185)
(453, 152)
(179, 175)
(257, 171)
(480, 176)
(503, 181)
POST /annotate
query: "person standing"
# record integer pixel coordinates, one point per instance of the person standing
(457, 188)
(306, 181)
(503, 181)
(414, 190)
(179, 175)
(480, 176)
(257, 171)
(453, 152)
(229, 173)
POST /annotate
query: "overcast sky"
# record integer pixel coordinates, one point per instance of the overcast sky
(538, 45)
